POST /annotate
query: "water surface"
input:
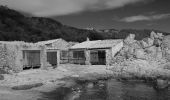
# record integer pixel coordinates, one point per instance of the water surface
(109, 90)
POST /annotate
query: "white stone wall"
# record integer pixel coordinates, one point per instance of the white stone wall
(8, 57)
(87, 56)
(117, 48)
(11, 55)
(108, 56)
(3, 54)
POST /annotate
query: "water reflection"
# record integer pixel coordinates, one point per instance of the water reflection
(109, 90)
(134, 91)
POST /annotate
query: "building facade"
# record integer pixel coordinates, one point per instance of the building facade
(57, 51)
(19, 55)
(95, 52)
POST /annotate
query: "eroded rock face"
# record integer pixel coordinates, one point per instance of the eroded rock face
(154, 35)
(130, 39)
(147, 42)
(131, 47)
(166, 47)
(140, 54)
(149, 48)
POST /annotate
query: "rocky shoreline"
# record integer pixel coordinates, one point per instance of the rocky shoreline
(70, 75)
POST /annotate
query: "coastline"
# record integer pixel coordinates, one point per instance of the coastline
(68, 76)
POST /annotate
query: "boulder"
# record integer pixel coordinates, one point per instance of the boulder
(130, 39)
(147, 42)
(140, 54)
(157, 37)
(151, 50)
(153, 35)
(127, 51)
(136, 45)
(144, 44)
(150, 42)
(160, 35)
(157, 42)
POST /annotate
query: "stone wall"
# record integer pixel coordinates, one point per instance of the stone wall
(87, 56)
(8, 57)
(11, 55)
(117, 48)
(109, 56)
(3, 53)
(43, 57)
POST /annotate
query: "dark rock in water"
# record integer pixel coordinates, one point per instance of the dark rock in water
(161, 84)
(26, 87)
(1, 77)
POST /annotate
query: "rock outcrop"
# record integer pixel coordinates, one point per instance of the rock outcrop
(166, 47)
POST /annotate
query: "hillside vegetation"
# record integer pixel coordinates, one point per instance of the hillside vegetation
(16, 26)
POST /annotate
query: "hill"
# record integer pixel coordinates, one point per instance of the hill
(16, 26)
(121, 34)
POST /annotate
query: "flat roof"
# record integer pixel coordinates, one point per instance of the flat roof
(97, 44)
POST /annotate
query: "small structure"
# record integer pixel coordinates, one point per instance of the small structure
(18, 55)
(57, 51)
(95, 52)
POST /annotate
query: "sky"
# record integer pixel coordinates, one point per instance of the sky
(100, 14)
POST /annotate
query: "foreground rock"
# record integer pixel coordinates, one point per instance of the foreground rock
(140, 69)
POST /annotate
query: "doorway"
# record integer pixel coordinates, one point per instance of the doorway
(52, 58)
(98, 57)
(31, 59)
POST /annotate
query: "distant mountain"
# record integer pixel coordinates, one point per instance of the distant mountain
(16, 26)
(121, 34)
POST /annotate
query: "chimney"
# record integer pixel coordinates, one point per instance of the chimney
(87, 39)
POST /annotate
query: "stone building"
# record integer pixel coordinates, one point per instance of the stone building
(95, 52)
(57, 51)
(18, 55)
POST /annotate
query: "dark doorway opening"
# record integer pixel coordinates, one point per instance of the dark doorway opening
(31, 59)
(52, 58)
(98, 57)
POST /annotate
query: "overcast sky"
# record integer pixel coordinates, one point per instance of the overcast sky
(100, 14)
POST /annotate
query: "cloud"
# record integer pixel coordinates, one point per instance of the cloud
(64, 7)
(145, 18)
